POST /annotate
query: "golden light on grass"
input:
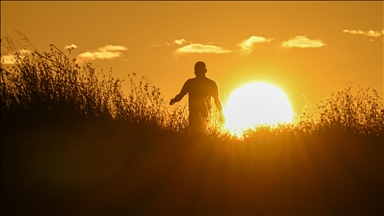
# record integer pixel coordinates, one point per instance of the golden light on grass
(256, 104)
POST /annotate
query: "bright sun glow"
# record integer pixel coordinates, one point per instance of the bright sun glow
(256, 103)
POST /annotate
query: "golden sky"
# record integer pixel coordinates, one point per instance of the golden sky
(309, 48)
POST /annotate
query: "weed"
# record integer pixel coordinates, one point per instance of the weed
(52, 84)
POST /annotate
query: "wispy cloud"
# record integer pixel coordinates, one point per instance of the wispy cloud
(200, 48)
(354, 31)
(369, 33)
(72, 46)
(374, 34)
(247, 45)
(178, 42)
(112, 48)
(105, 52)
(99, 55)
(11, 59)
(302, 42)
(8, 59)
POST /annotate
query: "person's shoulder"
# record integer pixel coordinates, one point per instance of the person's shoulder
(190, 80)
(210, 81)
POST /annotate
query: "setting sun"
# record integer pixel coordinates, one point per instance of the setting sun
(257, 103)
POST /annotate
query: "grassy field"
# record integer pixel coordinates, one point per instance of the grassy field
(73, 143)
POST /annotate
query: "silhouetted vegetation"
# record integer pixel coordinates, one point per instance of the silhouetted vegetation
(361, 112)
(73, 143)
(53, 84)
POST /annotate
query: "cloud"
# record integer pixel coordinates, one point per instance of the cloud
(247, 45)
(302, 42)
(8, 59)
(106, 55)
(353, 31)
(369, 33)
(374, 34)
(105, 52)
(24, 52)
(178, 42)
(99, 55)
(200, 48)
(11, 59)
(72, 46)
(112, 48)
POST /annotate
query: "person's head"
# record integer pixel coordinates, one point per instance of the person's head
(200, 69)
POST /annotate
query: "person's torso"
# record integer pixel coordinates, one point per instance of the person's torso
(200, 91)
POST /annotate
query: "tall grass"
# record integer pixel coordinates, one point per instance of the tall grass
(53, 84)
(355, 109)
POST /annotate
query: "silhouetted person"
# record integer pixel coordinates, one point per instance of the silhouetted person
(200, 90)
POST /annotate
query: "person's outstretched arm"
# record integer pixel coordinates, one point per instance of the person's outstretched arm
(180, 96)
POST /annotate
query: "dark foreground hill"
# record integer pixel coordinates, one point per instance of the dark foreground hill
(101, 169)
